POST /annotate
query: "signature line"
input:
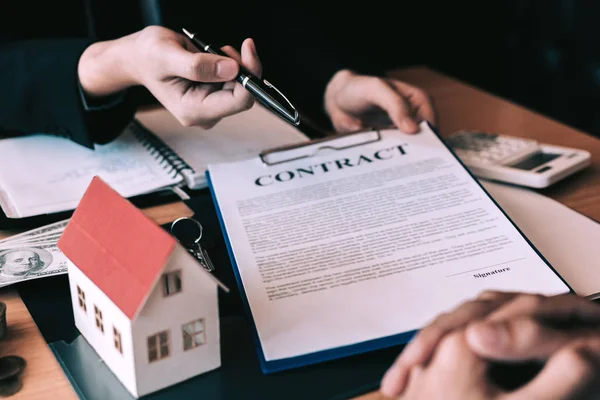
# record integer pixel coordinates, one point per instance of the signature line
(489, 266)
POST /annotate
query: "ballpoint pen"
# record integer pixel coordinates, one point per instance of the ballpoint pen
(259, 88)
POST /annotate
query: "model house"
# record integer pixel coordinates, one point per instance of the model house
(139, 298)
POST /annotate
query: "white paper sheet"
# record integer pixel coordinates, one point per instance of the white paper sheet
(234, 138)
(42, 174)
(371, 242)
(566, 238)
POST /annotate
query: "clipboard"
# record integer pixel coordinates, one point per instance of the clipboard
(281, 155)
(285, 154)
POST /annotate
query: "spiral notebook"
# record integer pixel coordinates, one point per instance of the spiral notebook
(43, 174)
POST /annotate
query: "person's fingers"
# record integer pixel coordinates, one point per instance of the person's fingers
(198, 67)
(420, 101)
(241, 97)
(572, 373)
(420, 349)
(211, 106)
(343, 122)
(460, 370)
(229, 85)
(568, 308)
(519, 339)
(206, 110)
(381, 94)
(250, 59)
(524, 304)
(454, 347)
(233, 53)
(454, 372)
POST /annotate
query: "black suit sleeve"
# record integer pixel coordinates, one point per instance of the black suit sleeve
(41, 94)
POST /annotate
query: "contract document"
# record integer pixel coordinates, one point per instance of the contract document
(354, 243)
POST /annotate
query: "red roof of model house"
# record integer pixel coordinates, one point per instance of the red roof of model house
(116, 246)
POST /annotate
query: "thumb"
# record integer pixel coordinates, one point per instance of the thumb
(199, 67)
(518, 339)
(572, 373)
(381, 94)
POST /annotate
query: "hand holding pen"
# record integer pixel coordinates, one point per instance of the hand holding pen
(197, 88)
(267, 94)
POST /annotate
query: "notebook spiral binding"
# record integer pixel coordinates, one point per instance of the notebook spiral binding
(170, 160)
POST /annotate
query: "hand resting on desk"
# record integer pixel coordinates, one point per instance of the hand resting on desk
(355, 102)
(457, 355)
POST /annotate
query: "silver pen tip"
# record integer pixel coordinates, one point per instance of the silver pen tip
(187, 33)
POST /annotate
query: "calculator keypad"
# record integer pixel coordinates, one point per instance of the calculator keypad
(488, 148)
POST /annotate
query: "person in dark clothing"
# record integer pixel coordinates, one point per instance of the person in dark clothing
(78, 78)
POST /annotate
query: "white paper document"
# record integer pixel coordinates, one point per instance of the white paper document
(340, 247)
(41, 174)
(566, 238)
(237, 137)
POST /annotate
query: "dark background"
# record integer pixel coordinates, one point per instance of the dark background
(543, 54)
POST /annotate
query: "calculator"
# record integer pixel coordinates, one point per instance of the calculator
(516, 160)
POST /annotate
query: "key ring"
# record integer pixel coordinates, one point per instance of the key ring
(188, 233)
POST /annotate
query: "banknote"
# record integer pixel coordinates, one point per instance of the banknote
(52, 229)
(47, 237)
(44, 243)
(32, 254)
(20, 263)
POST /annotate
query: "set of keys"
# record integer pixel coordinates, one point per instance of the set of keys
(188, 233)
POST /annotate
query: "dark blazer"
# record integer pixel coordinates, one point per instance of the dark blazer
(40, 46)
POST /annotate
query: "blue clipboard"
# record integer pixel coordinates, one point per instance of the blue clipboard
(342, 141)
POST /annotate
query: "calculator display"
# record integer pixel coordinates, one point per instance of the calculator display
(535, 160)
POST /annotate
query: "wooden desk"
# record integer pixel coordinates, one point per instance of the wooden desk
(460, 106)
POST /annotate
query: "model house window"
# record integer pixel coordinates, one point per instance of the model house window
(171, 283)
(158, 346)
(81, 297)
(117, 339)
(99, 322)
(193, 334)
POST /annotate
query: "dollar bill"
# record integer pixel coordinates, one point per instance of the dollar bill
(23, 262)
(55, 228)
(42, 243)
(47, 237)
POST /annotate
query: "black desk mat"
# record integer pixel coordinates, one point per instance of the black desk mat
(48, 301)
(239, 376)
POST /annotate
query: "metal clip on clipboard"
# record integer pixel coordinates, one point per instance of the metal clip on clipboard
(338, 142)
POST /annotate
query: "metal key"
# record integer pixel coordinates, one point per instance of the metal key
(188, 233)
